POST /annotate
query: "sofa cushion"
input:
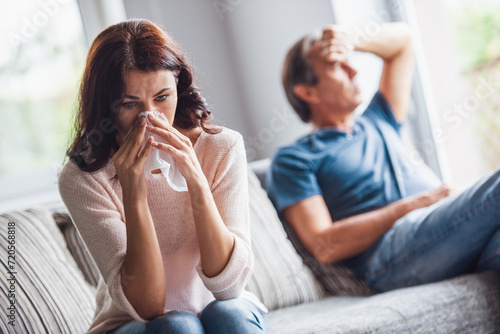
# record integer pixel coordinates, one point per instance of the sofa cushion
(50, 292)
(280, 278)
(336, 279)
(467, 304)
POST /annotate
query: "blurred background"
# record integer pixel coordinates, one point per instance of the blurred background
(237, 48)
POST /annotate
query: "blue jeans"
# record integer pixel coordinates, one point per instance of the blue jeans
(227, 316)
(460, 234)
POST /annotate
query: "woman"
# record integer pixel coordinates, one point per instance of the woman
(171, 262)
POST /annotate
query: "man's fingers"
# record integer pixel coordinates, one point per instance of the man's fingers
(332, 31)
(342, 49)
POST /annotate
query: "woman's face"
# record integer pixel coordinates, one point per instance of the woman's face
(146, 91)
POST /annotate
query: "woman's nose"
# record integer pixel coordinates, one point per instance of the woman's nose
(148, 106)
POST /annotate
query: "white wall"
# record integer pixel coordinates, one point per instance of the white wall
(238, 51)
(97, 15)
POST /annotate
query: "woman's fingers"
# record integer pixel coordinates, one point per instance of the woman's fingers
(170, 136)
(145, 152)
(161, 126)
(133, 142)
(179, 156)
(158, 119)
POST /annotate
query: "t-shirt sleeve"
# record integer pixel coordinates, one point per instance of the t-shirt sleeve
(380, 110)
(230, 193)
(101, 227)
(290, 179)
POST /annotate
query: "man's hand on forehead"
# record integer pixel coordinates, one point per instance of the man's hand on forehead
(335, 44)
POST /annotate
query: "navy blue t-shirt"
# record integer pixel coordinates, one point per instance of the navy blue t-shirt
(354, 172)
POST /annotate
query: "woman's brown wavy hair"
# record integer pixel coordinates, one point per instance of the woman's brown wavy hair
(132, 44)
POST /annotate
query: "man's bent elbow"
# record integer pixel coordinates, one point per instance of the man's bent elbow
(326, 255)
(332, 253)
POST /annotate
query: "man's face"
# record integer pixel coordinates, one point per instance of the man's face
(336, 88)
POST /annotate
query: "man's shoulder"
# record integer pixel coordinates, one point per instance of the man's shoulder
(379, 111)
(298, 150)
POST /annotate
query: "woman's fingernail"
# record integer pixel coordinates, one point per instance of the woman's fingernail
(142, 121)
(152, 116)
(149, 127)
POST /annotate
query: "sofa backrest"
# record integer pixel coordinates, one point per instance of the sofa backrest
(260, 168)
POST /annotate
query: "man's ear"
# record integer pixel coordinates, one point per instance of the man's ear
(306, 93)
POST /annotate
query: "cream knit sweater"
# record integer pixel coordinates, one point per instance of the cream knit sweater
(94, 201)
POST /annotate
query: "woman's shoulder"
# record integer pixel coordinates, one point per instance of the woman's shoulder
(224, 139)
(221, 149)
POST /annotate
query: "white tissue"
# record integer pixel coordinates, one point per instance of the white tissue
(158, 159)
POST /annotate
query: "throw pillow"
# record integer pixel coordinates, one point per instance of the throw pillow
(336, 279)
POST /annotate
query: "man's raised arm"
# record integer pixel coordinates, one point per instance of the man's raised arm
(393, 44)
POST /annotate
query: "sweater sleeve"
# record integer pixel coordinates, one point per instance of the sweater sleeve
(101, 227)
(230, 192)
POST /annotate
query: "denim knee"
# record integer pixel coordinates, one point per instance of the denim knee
(176, 321)
(232, 316)
(490, 257)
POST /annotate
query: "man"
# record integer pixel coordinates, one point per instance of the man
(346, 189)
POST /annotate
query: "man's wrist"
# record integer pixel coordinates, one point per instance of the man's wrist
(402, 207)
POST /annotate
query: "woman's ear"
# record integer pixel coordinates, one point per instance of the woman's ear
(306, 93)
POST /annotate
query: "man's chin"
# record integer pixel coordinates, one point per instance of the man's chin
(358, 101)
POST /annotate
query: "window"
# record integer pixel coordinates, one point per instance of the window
(461, 40)
(474, 27)
(40, 74)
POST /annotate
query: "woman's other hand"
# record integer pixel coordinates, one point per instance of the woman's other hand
(180, 148)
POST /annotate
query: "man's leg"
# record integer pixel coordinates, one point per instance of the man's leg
(490, 258)
(449, 238)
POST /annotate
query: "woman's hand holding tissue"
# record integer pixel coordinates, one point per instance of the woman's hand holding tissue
(215, 240)
(180, 148)
(129, 162)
